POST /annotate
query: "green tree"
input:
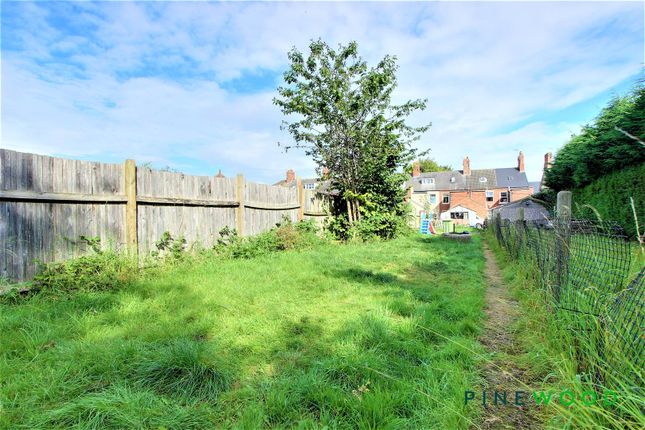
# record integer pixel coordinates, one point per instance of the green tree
(428, 165)
(612, 142)
(343, 117)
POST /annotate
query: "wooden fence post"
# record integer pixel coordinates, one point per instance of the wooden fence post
(130, 177)
(563, 239)
(301, 199)
(239, 215)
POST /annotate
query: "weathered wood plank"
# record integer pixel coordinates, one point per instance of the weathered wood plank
(241, 197)
(130, 186)
(21, 195)
(46, 203)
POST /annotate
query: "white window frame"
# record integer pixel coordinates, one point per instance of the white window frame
(490, 195)
(452, 179)
(310, 186)
(445, 199)
(427, 181)
(483, 179)
(430, 197)
(504, 197)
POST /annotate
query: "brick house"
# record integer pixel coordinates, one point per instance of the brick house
(466, 196)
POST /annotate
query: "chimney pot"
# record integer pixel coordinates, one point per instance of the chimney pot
(548, 160)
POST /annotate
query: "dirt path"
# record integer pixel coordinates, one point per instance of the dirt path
(503, 374)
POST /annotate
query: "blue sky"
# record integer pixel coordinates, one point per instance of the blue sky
(189, 85)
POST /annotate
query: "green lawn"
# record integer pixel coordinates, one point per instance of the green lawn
(367, 336)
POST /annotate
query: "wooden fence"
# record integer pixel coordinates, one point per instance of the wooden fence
(47, 203)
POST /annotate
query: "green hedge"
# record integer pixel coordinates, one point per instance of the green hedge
(609, 196)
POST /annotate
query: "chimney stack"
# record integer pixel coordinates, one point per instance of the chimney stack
(548, 160)
(291, 175)
(520, 162)
(325, 172)
(466, 166)
(416, 169)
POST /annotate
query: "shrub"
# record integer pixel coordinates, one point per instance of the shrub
(373, 225)
(608, 197)
(285, 236)
(97, 271)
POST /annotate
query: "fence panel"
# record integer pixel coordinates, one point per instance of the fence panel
(267, 205)
(47, 203)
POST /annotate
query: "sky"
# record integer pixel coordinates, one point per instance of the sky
(190, 85)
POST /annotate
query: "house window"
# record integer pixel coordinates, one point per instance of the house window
(489, 196)
(427, 181)
(458, 215)
(503, 197)
(310, 186)
(452, 179)
(446, 199)
(432, 199)
(483, 179)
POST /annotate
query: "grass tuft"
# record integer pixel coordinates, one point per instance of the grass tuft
(183, 369)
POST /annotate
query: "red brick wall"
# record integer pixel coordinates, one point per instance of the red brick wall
(476, 200)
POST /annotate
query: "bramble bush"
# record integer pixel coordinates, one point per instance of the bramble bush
(107, 269)
(285, 236)
(96, 271)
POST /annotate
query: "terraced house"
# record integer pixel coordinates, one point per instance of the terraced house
(467, 196)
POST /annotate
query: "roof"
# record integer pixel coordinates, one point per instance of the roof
(323, 186)
(441, 181)
(510, 177)
(479, 179)
(461, 206)
(537, 186)
(533, 211)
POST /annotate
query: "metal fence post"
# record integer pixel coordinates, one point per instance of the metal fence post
(563, 241)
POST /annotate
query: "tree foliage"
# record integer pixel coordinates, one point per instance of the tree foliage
(341, 114)
(609, 144)
(428, 165)
(609, 198)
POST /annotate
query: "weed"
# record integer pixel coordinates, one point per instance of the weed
(92, 272)
(170, 247)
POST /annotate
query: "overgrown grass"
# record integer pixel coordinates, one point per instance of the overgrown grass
(559, 358)
(372, 336)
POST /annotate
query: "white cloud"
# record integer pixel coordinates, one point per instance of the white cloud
(483, 67)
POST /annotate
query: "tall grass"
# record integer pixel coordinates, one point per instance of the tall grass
(572, 351)
(364, 335)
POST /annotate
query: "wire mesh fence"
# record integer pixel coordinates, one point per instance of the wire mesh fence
(584, 270)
